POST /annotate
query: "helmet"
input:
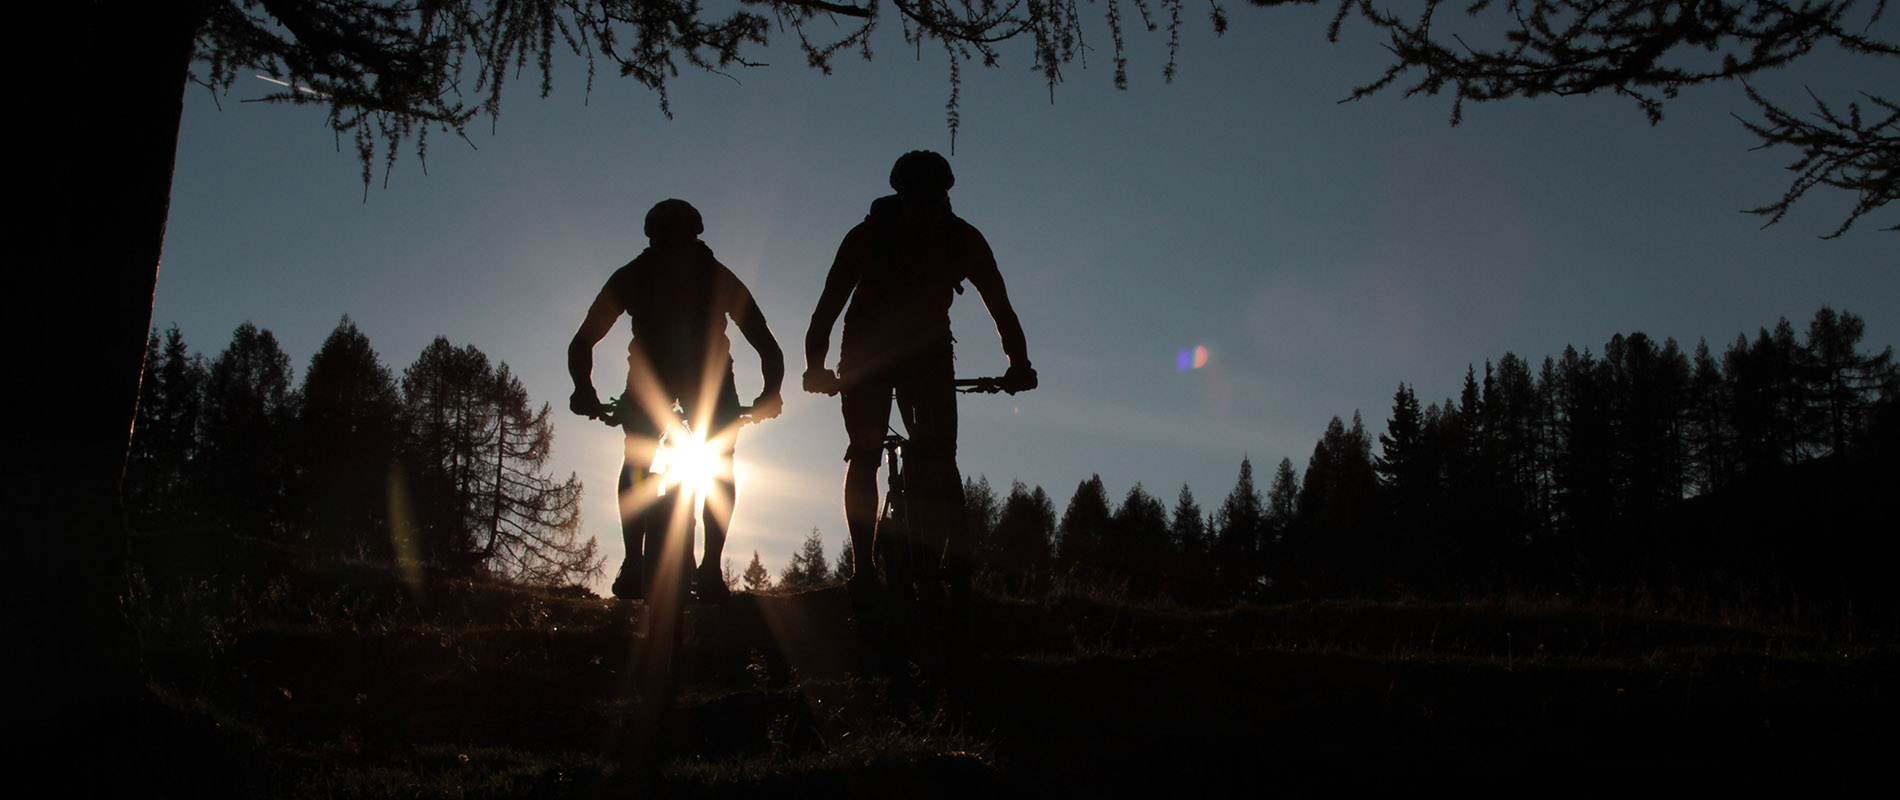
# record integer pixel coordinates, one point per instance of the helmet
(922, 172)
(674, 219)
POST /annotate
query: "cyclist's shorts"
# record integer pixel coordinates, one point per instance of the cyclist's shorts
(725, 408)
(926, 392)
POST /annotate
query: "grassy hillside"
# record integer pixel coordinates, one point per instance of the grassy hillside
(332, 679)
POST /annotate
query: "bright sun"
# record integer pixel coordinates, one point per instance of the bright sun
(688, 461)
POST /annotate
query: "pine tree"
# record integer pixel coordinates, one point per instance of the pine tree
(347, 437)
(1079, 535)
(1281, 516)
(531, 529)
(1843, 385)
(1707, 435)
(476, 451)
(1403, 464)
(846, 566)
(1137, 548)
(1023, 531)
(1191, 570)
(808, 566)
(979, 514)
(161, 469)
(1239, 524)
(756, 577)
(248, 406)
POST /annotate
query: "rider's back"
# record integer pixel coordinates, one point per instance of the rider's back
(678, 297)
(906, 282)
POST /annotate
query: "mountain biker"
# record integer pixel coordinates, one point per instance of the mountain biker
(678, 296)
(900, 268)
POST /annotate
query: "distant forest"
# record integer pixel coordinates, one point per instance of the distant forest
(1768, 470)
(442, 467)
(1761, 471)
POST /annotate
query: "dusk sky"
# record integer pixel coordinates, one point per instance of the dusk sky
(1320, 252)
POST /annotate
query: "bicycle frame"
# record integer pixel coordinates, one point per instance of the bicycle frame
(905, 559)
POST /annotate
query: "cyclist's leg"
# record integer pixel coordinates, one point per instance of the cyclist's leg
(637, 491)
(928, 401)
(718, 512)
(867, 412)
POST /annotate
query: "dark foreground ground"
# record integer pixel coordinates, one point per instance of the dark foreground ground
(332, 680)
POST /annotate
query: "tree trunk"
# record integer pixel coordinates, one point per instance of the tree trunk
(101, 120)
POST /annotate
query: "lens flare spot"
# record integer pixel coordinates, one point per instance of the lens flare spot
(1188, 358)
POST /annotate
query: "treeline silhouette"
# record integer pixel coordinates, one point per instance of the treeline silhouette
(441, 468)
(1768, 470)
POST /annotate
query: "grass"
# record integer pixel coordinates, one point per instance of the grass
(344, 680)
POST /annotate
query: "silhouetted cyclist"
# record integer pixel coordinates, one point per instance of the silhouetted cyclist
(679, 297)
(900, 269)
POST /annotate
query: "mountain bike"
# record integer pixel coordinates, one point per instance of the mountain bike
(682, 450)
(655, 664)
(925, 572)
(667, 538)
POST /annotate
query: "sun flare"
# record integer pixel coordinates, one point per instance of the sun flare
(688, 460)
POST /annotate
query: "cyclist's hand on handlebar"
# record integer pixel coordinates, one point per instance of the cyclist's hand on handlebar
(1019, 378)
(819, 380)
(586, 403)
(768, 405)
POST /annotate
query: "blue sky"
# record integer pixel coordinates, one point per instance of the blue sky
(1321, 252)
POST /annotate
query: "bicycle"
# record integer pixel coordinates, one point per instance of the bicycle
(916, 566)
(656, 663)
(678, 445)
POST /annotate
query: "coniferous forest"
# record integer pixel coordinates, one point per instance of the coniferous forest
(1633, 566)
(440, 466)
(1762, 470)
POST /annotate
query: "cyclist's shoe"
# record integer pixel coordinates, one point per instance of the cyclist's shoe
(627, 584)
(710, 587)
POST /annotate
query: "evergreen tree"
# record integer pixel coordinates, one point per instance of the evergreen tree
(1079, 535)
(1645, 387)
(845, 567)
(1707, 435)
(248, 406)
(1518, 415)
(979, 514)
(161, 467)
(446, 403)
(1137, 543)
(1282, 511)
(1238, 526)
(756, 577)
(1340, 489)
(1843, 385)
(1766, 395)
(1584, 471)
(1403, 464)
(808, 566)
(1191, 570)
(531, 530)
(476, 454)
(1023, 533)
(347, 437)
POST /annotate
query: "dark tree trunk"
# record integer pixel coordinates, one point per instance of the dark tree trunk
(106, 82)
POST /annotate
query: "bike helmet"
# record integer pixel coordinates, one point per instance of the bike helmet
(674, 219)
(922, 172)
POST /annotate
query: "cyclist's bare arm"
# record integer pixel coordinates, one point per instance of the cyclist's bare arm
(989, 285)
(839, 283)
(745, 311)
(580, 352)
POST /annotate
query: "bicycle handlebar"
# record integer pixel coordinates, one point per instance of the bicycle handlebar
(614, 412)
(983, 385)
